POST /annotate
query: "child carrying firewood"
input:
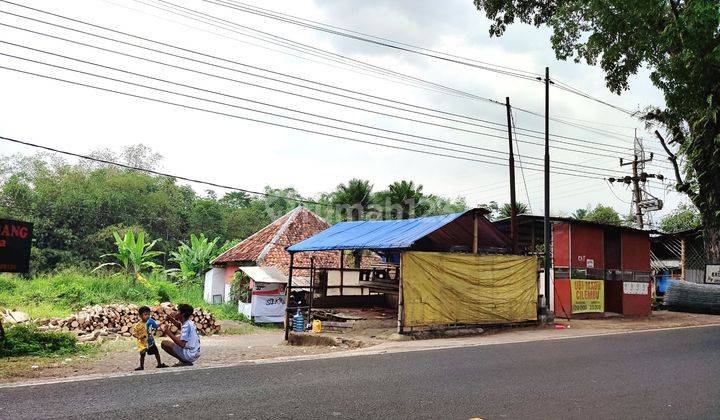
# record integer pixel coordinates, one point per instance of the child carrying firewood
(143, 332)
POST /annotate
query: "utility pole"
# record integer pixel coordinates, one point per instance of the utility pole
(513, 201)
(636, 192)
(548, 240)
(637, 177)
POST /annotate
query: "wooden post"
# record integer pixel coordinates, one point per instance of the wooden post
(342, 271)
(401, 301)
(475, 234)
(682, 258)
(287, 299)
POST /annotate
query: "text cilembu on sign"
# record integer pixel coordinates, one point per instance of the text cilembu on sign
(15, 239)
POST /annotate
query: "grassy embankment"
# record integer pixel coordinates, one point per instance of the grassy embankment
(65, 292)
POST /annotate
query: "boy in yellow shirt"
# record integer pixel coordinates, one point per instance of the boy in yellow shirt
(143, 332)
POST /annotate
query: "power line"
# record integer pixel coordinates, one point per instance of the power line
(518, 73)
(285, 75)
(522, 171)
(154, 172)
(273, 123)
(387, 43)
(268, 113)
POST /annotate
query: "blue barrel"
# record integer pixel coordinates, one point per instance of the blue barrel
(298, 322)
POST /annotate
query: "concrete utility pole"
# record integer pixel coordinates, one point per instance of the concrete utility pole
(636, 178)
(548, 240)
(513, 200)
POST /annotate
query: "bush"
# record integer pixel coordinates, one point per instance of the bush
(26, 340)
(7, 285)
(74, 296)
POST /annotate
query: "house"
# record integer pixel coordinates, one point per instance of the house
(266, 248)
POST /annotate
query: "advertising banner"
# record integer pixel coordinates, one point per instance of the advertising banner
(15, 239)
(712, 274)
(635, 288)
(587, 296)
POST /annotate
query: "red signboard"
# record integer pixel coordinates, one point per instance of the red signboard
(15, 237)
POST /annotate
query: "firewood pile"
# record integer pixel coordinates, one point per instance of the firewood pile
(96, 321)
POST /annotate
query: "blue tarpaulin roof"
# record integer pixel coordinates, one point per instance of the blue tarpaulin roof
(378, 234)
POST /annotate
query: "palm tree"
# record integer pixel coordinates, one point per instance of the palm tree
(580, 214)
(404, 198)
(355, 196)
(520, 208)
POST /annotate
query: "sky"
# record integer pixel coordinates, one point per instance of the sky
(222, 147)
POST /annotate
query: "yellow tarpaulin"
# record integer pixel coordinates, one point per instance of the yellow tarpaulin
(587, 296)
(448, 288)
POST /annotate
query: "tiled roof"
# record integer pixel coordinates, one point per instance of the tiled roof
(267, 246)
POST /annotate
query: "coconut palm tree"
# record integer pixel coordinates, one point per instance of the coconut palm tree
(354, 196)
(404, 198)
(520, 208)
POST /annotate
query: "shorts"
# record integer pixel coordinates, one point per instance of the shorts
(184, 354)
(152, 350)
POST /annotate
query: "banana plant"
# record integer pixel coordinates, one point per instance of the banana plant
(195, 258)
(133, 254)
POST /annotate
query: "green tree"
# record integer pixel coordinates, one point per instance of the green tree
(580, 214)
(520, 208)
(684, 217)
(195, 258)
(603, 214)
(402, 200)
(133, 254)
(353, 198)
(679, 43)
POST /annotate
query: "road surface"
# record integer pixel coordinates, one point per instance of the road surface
(662, 374)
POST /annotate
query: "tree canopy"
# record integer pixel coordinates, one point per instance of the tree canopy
(684, 217)
(679, 43)
(77, 208)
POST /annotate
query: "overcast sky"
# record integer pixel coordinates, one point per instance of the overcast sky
(251, 155)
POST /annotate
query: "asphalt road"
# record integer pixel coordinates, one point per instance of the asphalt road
(664, 374)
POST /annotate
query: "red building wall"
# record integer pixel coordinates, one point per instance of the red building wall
(635, 251)
(586, 243)
(561, 245)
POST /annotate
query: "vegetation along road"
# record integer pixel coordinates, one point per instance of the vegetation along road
(664, 374)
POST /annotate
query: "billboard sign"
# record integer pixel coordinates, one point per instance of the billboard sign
(712, 274)
(587, 296)
(15, 238)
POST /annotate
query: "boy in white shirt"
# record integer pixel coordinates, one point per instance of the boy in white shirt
(185, 348)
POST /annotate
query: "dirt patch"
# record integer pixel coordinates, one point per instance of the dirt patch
(120, 356)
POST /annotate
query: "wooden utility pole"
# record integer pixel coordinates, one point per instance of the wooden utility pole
(513, 201)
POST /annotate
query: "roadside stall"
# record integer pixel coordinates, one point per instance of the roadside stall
(600, 269)
(450, 270)
(262, 294)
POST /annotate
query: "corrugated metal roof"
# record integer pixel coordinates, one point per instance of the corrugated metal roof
(265, 274)
(381, 234)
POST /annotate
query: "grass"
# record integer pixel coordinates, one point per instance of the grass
(63, 293)
(27, 366)
(26, 340)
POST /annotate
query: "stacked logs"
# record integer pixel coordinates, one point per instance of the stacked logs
(118, 320)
